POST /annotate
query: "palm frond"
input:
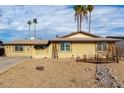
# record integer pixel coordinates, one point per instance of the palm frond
(29, 22)
(90, 8)
(35, 21)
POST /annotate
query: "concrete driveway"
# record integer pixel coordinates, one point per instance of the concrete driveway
(9, 62)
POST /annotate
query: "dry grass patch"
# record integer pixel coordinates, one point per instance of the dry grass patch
(56, 73)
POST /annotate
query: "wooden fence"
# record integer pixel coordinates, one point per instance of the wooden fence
(97, 59)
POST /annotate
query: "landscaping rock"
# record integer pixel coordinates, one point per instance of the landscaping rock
(40, 68)
(105, 78)
(88, 69)
(73, 80)
(122, 86)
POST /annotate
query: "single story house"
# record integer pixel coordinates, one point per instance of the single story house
(67, 46)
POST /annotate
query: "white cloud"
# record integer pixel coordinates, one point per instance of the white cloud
(106, 19)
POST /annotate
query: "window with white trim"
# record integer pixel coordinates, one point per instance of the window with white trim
(65, 46)
(101, 46)
(19, 48)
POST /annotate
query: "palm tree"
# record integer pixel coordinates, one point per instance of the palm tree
(90, 9)
(76, 17)
(29, 23)
(35, 22)
(80, 13)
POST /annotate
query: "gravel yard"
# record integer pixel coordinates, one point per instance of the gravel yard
(105, 78)
(65, 73)
(117, 69)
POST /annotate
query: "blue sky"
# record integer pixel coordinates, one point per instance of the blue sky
(57, 20)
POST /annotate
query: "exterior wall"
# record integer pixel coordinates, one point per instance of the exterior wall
(78, 49)
(42, 53)
(10, 50)
(79, 35)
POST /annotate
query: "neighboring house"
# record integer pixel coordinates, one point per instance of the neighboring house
(68, 46)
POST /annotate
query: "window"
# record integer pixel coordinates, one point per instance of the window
(101, 46)
(40, 46)
(104, 46)
(65, 46)
(18, 48)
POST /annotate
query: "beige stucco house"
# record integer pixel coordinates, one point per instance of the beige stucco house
(67, 46)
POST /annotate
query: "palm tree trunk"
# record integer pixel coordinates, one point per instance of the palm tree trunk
(29, 31)
(80, 21)
(34, 30)
(77, 24)
(89, 21)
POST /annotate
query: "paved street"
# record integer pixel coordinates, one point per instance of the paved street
(9, 62)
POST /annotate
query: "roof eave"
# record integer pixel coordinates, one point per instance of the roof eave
(72, 40)
(23, 44)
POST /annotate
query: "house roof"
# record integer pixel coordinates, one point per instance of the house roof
(81, 32)
(117, 37)
(86, 39)
(63, 38)
(45, 42)
(28, 42)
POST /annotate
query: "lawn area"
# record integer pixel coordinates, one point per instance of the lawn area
(65, 73)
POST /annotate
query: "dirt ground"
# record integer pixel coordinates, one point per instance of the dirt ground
(117, 70)
(61, 73)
